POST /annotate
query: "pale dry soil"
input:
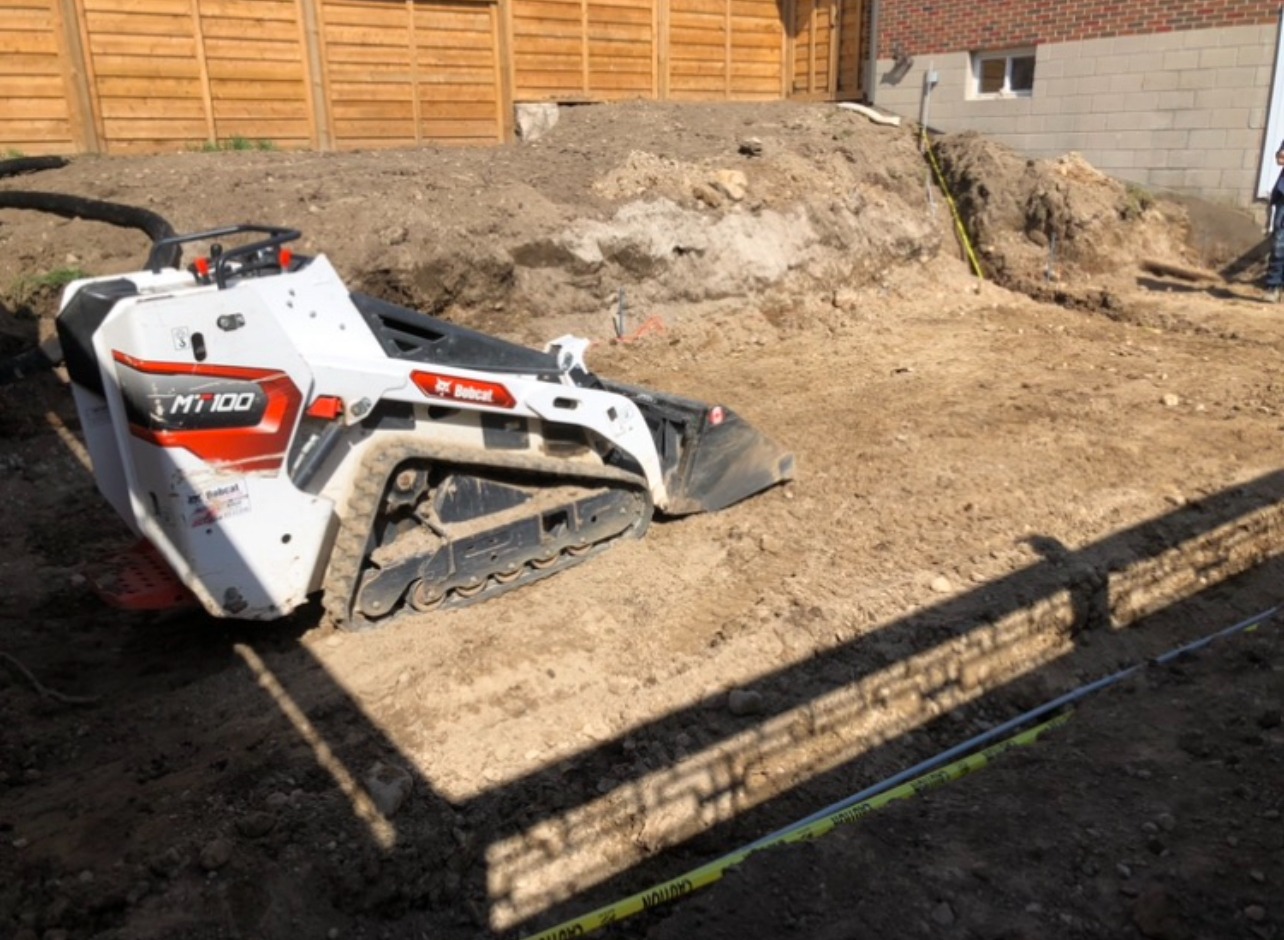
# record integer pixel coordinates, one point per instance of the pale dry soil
(1005, 490)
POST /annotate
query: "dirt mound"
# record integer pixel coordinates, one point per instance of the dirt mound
(1041, 223)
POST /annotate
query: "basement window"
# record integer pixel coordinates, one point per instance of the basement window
(1003, 74)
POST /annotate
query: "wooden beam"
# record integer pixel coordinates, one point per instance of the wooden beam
(502, 29)
(414, 71)
(584, 48)
(811, 50)
(206, 97)
(726, 25)
(71, 57)
(319, 71)
(77, 14)
(318, 123)
(788, 41)
(835, 43)
(663, 20)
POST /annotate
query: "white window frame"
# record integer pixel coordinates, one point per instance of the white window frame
(1007, 55)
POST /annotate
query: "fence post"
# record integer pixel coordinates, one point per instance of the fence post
(505, 68)
(80, 102)
(322, 138)
(207, 94)
(662, 27)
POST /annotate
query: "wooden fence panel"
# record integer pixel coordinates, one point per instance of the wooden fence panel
(584, 50)
(36, 111)
(728, 49)
(458, 73)
(757, 50)
(151, 45)
(256, 66)
(815, 48)
(851, 25)
(126, 76)
(548, 39)
(401, 73)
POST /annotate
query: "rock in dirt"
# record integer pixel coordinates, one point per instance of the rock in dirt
(706, 194)
(216, 854)
(1154, 915)
(388, 786)
(256, 825)
(731, 183)
(536, 119)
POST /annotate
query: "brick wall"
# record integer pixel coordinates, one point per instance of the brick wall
(923, 27)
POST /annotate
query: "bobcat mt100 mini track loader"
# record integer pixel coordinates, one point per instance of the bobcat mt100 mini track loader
(272, 434)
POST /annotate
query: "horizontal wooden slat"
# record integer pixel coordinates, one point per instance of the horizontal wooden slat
(251, 31)
(31, 86)
(33, 129)
(155, 129)
(110, 44)
(137, 24)
(28, 43)
(265, 108)
(274, 129)
(162, 7)
(243, 70)
(19, 64)
(51, 109)
(258, 10)
(26, 18)
(454, 58)
(458, 92)
(538, 10)
(167, 108)
(374, 110)
(292, 91)
(285, 52)
(138, 67)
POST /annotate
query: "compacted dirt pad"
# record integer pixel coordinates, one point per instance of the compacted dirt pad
(1007, 488)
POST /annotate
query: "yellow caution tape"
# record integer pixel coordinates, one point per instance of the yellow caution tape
(954, 209)
(713, 871)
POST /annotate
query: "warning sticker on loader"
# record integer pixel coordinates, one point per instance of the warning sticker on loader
(216, 500)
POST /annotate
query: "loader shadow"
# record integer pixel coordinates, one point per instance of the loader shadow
(283, 753)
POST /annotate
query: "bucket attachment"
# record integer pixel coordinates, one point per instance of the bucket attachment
(711, 457)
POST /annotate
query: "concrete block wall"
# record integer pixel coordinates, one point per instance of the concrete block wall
(1183, 111)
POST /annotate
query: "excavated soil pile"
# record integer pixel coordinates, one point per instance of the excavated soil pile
(1007, 487)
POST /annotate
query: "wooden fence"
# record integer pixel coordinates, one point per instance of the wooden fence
(132, 76)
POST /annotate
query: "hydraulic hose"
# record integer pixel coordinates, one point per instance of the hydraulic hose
(156, 227)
